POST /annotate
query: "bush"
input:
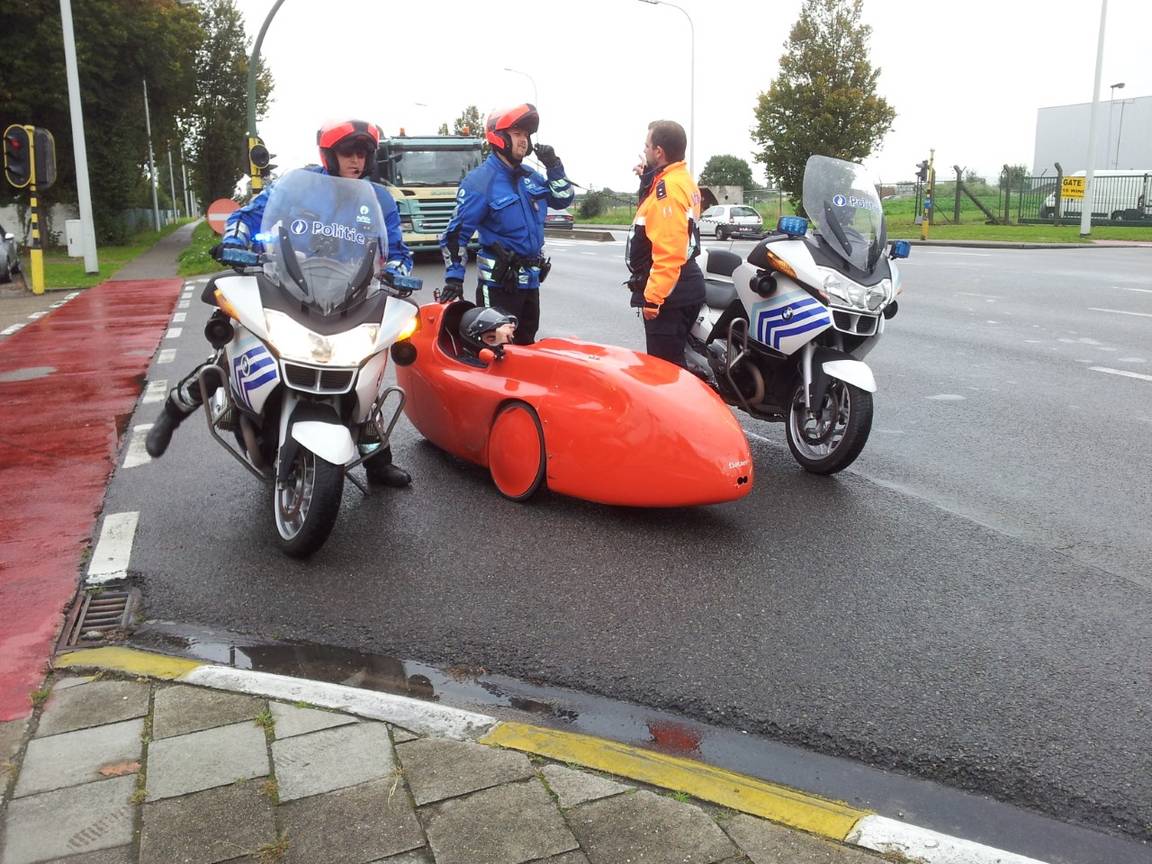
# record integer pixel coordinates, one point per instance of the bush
(592, 205)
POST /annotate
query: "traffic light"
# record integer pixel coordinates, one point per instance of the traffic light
(45, 158)
(258, 154)
(17, 156)
(922, 170)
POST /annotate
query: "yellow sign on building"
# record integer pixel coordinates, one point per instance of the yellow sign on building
(1072, 187)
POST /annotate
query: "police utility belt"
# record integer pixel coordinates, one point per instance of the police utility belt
(507, 266)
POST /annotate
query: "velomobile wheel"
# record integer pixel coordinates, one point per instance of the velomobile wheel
(516, 454)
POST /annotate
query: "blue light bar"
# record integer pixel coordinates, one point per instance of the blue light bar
(901, 248)
(793, 226)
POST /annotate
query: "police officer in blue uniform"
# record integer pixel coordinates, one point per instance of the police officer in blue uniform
(507, 203)
(347, 149)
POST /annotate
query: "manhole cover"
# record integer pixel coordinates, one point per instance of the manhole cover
(98, 615)
(28, 374)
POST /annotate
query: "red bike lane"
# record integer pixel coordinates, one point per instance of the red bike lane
(69, 382)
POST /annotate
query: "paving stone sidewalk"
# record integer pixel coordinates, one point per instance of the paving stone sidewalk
(142, 772)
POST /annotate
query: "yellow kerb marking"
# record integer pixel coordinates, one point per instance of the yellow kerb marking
(736, 791)
(128, 660)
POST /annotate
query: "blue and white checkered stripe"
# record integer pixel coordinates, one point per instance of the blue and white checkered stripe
(792, 318)
(251, 371)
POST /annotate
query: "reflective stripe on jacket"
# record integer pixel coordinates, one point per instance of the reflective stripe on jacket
(664, 239)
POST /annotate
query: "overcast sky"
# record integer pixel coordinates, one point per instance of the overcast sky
(964, 77)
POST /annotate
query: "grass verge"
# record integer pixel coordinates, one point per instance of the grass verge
(60, 271)
(195, 259)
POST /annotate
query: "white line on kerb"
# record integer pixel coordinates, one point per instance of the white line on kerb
(183, 304)
(178, 317)
(114, 548)
(1120, 312)
(136, 454)
(1124, 372)
(8, 331)
(167, 355)
(156, 391)
(919, 844)
(173, 332)
(36, 315)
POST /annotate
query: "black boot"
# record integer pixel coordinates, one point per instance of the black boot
(382, 472)
(183, 399)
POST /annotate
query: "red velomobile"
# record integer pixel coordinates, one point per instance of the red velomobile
(592, 421)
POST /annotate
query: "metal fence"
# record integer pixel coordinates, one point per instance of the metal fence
(1117, 199)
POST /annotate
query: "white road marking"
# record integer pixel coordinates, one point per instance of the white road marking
(1120, 312)
(913, 843)
(73, 294)
(178, 317)
(8, 331)
(1131, 360)
(953, 252)
(991, 298)
(1140, 290)
(1123, 372)
(114, 548)
(156, 391)
(167, 355)
(183, 304)
(173, 333)
(136, 454)
(36, 315)
(947, 397)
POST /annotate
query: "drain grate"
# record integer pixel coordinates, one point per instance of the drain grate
(98, 616)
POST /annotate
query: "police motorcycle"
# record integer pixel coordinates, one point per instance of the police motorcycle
(302, 333)
(783, 335)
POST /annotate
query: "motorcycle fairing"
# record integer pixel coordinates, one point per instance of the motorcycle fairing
(789, 319)
(254, 371)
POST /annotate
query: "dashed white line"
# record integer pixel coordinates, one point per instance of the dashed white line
(1122, 372)
(178, 317)
(114, 548)
(1120, 312)
(183, 304)
(8, 331)
(36, 315)
(73, 294)
(156, 391)
(1140, 290)
(173, 333)
(136, 454)
(167, 355)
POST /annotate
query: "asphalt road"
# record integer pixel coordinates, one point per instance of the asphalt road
(969, 603)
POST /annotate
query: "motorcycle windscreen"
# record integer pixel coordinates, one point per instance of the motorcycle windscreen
(841, 199)
(325, 238)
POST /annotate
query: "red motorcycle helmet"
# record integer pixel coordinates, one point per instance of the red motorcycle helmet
(523, 117)
(342, 134)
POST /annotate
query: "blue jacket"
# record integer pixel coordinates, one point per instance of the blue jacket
(244, 224)
(508, 205)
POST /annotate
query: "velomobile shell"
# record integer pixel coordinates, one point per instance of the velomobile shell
(620, 427)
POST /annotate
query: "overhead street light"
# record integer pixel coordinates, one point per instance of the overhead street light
(83, 192)
(535, 92)
(1089, 191)
(1111, 104)
(691, 84)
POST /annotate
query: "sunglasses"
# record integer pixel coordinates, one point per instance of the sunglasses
(352, 149)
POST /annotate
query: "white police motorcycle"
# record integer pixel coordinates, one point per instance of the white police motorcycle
(784, 334)
(303, 332)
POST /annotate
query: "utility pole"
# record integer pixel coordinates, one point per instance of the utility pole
(151, 160)
(83, 192)
(1089, 188)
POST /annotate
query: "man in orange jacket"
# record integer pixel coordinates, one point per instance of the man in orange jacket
(663, 242)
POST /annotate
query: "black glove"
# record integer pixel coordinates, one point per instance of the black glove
(547, 155)
(453, 290)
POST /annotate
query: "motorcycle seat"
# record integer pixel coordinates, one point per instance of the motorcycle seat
(719, 295)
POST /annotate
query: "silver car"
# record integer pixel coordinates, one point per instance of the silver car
(9, 255)
(731, 220)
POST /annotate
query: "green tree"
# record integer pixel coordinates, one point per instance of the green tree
(824, 100)
(727, 170)
(468, 123)
(119, 45)
(1015, 176)
(218, 119)
(443, 130)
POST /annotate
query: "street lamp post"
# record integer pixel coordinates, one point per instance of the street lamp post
(1111, 104)
(1089, 191)
(535, 92)
(1119, 133)
(83, 192)
(254, 171)
(691, 84)
(151, 160)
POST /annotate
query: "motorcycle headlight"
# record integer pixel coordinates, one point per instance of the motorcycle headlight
(294, 341)
(834, 286)
(878, 294)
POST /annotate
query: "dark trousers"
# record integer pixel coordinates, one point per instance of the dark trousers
(667, 333)
(525, 305)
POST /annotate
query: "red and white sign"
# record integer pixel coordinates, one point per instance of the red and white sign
(219, 211)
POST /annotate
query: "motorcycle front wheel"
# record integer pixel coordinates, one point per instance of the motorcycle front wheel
(305, 505)
(831, 440)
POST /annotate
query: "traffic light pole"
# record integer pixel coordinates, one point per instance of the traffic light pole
(37, 247)
(255, 171)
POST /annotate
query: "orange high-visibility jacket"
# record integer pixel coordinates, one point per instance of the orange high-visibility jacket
(665, 235)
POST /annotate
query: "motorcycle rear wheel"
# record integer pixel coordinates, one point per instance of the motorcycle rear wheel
(305, 506)
(832, 440)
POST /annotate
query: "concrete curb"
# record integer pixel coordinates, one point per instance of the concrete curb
(580, 233)
(790, 807)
